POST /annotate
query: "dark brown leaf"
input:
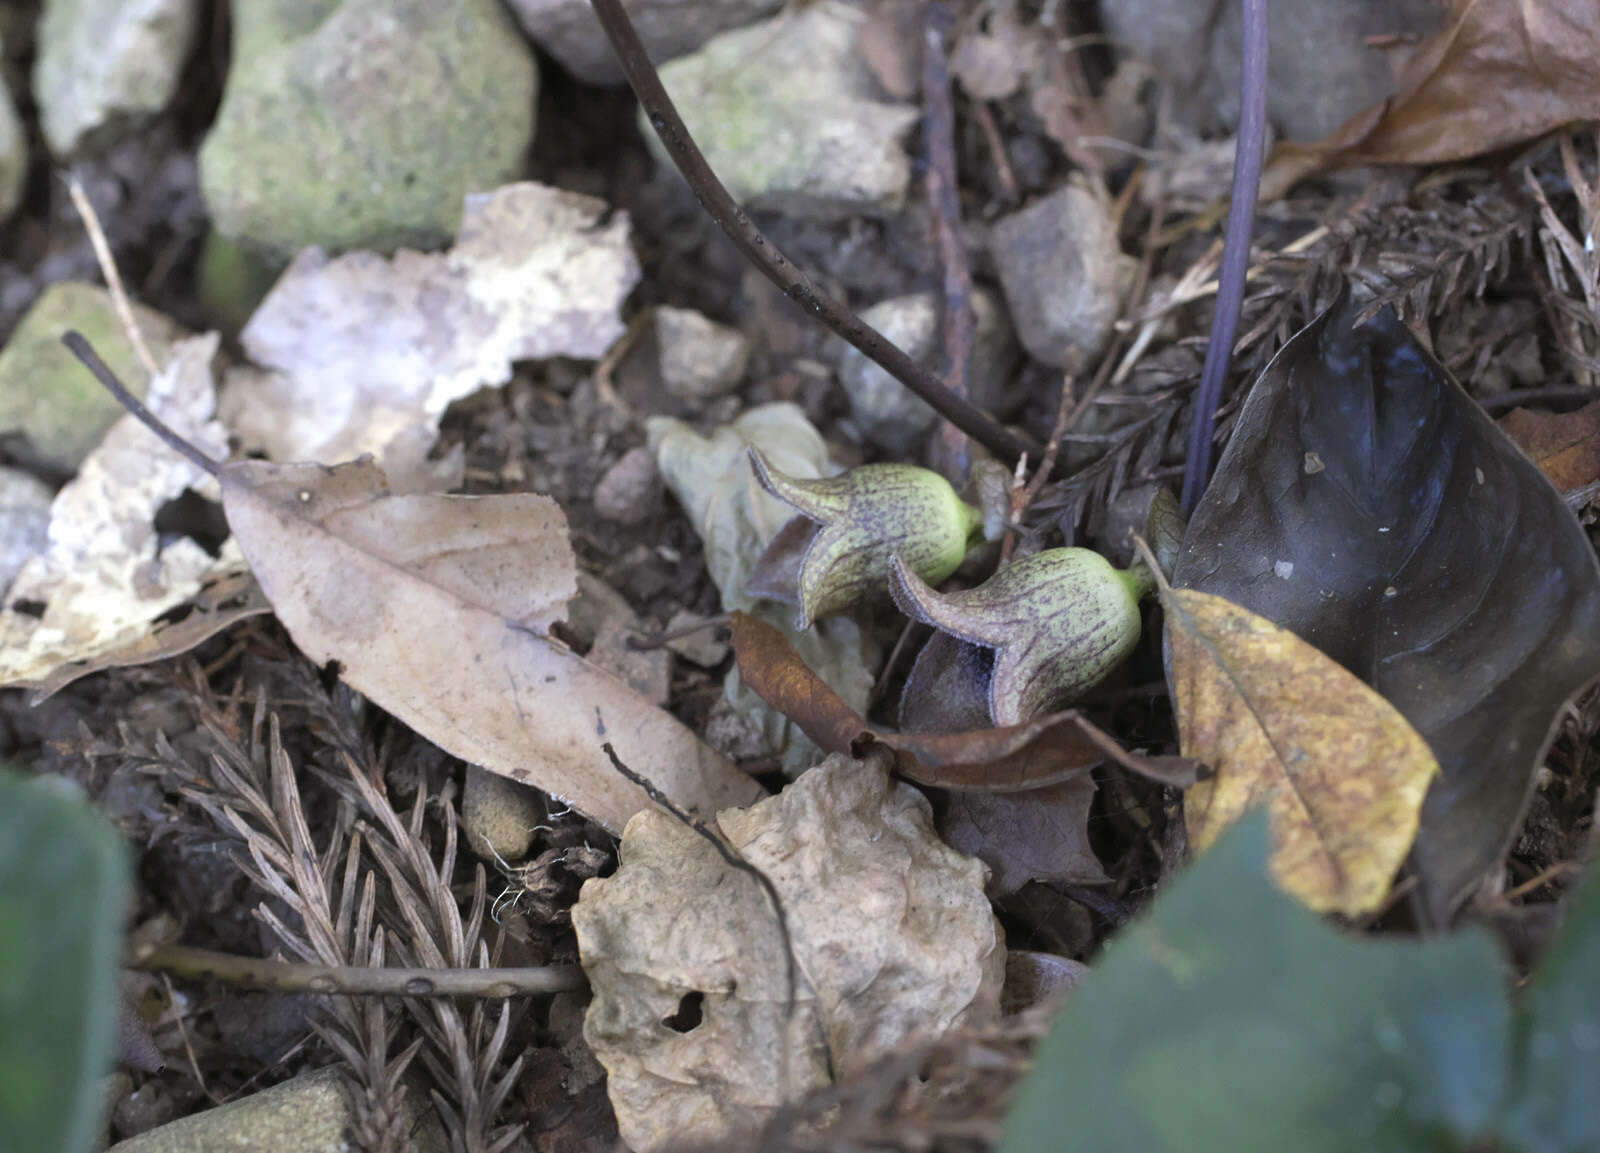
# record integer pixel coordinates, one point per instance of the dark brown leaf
(1498, 72)
(1565, 445)
(1368, 505)
(1039, 835)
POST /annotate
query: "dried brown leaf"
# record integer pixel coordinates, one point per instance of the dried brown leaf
(1340, 770)
(1044, 751)
(1497, 73)
(230, 598)
(436, 606)
(1565, 446)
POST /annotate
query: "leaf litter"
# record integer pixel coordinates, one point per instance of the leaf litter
(438, 608)
(1424, 552)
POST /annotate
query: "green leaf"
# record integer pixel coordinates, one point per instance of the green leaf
(1558, 1041)
(63, 887)
(1232, 1020)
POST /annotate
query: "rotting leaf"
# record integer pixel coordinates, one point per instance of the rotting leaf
(1497, 73)
(1425, 553)
(106, 576)
(891, 933)
(1565, 445)
(1283, 726)
(1033, 755)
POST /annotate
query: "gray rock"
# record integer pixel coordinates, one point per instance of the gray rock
(1063, 274)
(24, 521)
(568, 30)
(13, 154)
(1320, 70)
(498, 815)
(47, 396)
(791, 118)
(398, 108)
(630, 491)
(888, 413)
(700, 360)
(703, 646)
(308, 1114)
(103, 64)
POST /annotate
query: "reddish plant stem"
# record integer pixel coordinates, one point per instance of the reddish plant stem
(750, 241)
(1235, 250)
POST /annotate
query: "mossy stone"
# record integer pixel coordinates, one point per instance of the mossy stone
(364, 124)
(47, 396)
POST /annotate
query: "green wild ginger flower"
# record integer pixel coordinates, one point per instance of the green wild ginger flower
(836, 553)
(1058, 621)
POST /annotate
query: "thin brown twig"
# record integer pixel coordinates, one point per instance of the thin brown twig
(733, 859)
(997, 150)
(761, 252)
(108, 269)
(354, 981)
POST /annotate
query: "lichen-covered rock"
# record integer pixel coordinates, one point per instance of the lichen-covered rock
(364, 123)
(892, 938)
(499, 815)
(791, 118)
(106, 63)
(310, 1114)
(47, 396)
(568, 30)
(13, 154)
(888, 413)
(1063, 272)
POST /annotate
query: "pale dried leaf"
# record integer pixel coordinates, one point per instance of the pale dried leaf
(436, 606)
(736, 518)
(891, 931)
(105, 578)
(363, 354)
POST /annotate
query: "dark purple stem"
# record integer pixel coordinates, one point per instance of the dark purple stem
(1235, 250)
(944, 201)
(748, 239)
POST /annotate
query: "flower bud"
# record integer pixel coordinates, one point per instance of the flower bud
(1059, 621)
(860, 519)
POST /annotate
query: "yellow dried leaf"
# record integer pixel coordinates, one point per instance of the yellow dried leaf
(1340, 770)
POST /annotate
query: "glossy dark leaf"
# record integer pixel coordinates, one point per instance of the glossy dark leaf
(1553, 1104)
(1368, 505)
(1233, 1020)
(63, 893)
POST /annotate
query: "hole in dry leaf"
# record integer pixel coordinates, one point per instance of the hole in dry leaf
(29, 608)
(689, 1015)
(192, 515)
(328, 674)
